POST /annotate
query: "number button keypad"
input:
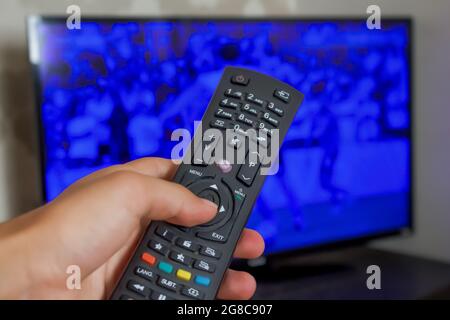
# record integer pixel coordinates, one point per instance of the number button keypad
(223, 114)
(252, 98)
(234, 93)
(249, 109)
(231, 104)
(272, 107)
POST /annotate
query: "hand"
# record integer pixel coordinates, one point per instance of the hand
(96, 224)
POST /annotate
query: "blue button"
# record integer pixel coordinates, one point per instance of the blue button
(166, 267)
(204, 281)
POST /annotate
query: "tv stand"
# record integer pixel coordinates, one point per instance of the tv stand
(341, 274)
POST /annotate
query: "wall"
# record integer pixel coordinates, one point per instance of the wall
(18, 152)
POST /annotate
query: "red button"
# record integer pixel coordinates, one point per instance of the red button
(147, 257)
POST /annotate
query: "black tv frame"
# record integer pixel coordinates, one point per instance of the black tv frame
(407, 230)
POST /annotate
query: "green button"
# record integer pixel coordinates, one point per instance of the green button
(166, 267)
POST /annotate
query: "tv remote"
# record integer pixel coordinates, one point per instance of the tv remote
(173, 262)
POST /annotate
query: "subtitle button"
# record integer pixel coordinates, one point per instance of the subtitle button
(168, 284)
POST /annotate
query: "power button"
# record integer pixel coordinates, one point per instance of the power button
(240, 79)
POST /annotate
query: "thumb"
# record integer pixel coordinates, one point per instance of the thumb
(87, 225)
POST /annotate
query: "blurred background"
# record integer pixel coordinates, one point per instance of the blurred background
(20, 188)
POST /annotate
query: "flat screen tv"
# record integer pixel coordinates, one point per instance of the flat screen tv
(115, 90)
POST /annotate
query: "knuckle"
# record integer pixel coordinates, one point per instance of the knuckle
(126, 181)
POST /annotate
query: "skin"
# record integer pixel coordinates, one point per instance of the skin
(96, 224)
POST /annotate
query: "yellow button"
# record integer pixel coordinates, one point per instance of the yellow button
(184, 275)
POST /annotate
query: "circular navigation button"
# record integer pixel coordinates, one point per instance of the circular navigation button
(219, 194)
(210, 195)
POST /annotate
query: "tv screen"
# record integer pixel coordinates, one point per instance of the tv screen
(116, 89)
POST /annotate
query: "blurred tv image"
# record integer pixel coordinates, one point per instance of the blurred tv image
(116, 89)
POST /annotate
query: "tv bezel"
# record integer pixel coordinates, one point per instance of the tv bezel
(406, 230)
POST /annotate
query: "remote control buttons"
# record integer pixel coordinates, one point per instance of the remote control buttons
(219, 124)
(282, 95)
(220, 113)
(236, 142)
(240, 79)
(262, 126)
(242, 118)
(219, 235)
(272, 107)
(168, 284)
(148, 258)
(160, 296)
(247, 172)
(158, 247)
(228, 103)
(210, 252)
(180, 258)
(202, 280)
(138, 288)
(249, 109)
(184, 275)
(261, 140)
(233, 93)
(187, 244)
(192, 293)
(252, 98)
(166, 267)
(165, 233)
(212, 190)
(210, 195)
(204, 266)
(269, 119)
(145, 273)
(204, 153)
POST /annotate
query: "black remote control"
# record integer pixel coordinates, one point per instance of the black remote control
(173, 262)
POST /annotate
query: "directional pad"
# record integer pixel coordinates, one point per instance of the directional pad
(215, 192)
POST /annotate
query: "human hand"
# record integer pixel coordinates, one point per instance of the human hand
(95, 224)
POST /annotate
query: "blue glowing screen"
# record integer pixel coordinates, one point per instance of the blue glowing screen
(115, 90)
